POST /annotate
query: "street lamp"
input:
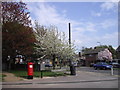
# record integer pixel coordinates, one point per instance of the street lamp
(99, 43)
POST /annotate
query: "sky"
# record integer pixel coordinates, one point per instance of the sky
(92, 23)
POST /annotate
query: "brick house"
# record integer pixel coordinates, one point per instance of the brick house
(118, 53)
(91, 56)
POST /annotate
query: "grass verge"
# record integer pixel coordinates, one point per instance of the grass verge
(116, 68)
(2, 77)
(23, 74)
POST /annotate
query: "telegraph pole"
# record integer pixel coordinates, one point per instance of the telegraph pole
(69, 35)
(72, 68)
(70, 42)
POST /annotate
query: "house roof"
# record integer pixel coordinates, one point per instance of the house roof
(118, 49)
(93, 51)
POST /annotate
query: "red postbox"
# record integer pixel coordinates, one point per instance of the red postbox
(30, 70)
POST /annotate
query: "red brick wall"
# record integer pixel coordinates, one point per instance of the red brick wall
(90, 59)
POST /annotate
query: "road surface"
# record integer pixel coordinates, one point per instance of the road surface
(83, 79)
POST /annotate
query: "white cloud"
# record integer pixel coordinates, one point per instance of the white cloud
(111, 36)
(108, 23)
(67, 0)
(79, 29)
(109, 6)
(107, 39)
(85, 27)
(90, 26)
(95, 26)
(97, 14)
(106, 6)
(47, 15)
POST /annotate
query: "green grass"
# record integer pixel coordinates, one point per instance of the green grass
(23, 74)
(2, 77)
(19, 73)
(116, 68)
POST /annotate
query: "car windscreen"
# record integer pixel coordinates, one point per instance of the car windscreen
(104, 63)
(114, 63)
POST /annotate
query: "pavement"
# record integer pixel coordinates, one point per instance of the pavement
(81, 77)
(11, 77)
(116, 71)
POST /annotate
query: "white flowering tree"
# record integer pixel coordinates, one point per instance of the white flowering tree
(105, 55)
(52, 43)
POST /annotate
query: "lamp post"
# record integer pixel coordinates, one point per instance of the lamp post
(99, 43)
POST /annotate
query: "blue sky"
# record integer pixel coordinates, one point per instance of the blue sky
(91, 22)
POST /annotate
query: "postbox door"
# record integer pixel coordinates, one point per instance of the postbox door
(30, 69)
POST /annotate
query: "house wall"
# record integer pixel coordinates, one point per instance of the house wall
(91, 58)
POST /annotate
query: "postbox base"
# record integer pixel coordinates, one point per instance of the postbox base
(30, 77)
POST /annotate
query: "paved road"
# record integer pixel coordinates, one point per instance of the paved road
(83, 79)
(95, 84)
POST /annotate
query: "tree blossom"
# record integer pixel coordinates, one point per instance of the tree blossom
(105, 55)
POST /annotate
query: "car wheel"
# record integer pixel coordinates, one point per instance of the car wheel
(104, 68)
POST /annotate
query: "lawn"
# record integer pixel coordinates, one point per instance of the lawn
(2, 77)
(116, 68)
(23, 74)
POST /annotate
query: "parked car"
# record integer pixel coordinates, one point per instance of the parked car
(75, 64)
(48, 65)
(102, 65)
(115, 64)
(91, 64)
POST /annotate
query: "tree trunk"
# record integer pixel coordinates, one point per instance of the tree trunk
(60, 64)
(9, 65)
(54, 61)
